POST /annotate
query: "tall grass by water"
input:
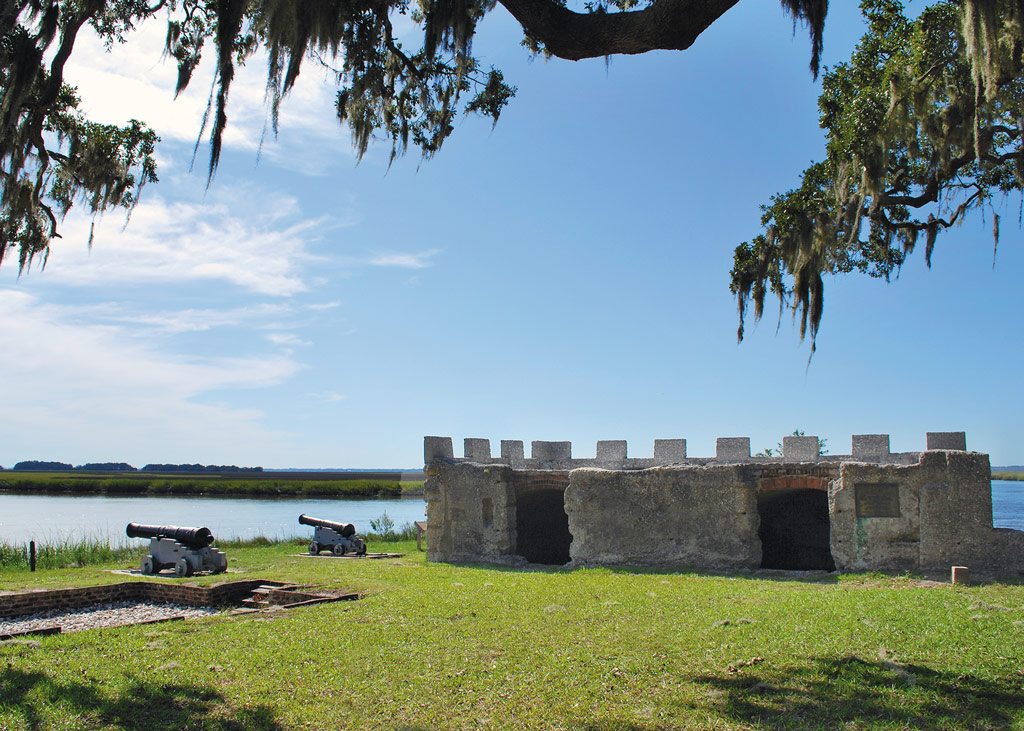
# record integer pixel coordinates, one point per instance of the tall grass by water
(1013, 476)
(204, 485)
(67, 553)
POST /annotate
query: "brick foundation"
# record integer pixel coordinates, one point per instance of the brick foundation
(42, 600)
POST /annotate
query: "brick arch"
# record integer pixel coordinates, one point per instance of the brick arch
(793, 482)
(542, 526)
(795, 525)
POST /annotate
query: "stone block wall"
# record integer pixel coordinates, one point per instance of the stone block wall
(918, 511)
(666, 516)
(470, 510)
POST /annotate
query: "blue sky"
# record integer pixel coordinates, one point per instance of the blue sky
(563, 276)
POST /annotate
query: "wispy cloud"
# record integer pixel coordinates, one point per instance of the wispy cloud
(324, 305)
(182, 321)
(287, 339)
(419, 260)
(189, 242)
(136, 80)
(101, 389)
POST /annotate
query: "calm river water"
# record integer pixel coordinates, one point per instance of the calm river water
(56, 518)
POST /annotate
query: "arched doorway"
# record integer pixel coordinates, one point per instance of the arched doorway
(542, 526)
(795, 529)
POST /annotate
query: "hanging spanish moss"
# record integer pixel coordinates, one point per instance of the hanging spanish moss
(52, 157)
(924, 126)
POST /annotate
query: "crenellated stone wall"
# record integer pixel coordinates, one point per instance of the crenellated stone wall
(869, 510)
(612, 454)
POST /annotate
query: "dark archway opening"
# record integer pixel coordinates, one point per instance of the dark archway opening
(794, 530)
(542, 527)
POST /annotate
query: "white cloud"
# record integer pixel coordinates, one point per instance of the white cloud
(189, 242)
(287, 339)
(324, 305)
(107, 393)
(329, 397)
(135, 80)
(182, 321)
(420, 260)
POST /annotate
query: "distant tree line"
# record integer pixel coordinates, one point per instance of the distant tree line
(198, 468)
(40, 466)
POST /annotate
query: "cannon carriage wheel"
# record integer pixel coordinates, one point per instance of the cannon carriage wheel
(314, 549)
(182, 568)
(338, 549)
(147, 566)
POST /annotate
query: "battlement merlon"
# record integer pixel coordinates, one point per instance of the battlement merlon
(613, 454)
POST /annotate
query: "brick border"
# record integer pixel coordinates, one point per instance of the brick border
(15, 604)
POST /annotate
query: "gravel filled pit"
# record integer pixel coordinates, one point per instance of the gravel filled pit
(96, 616)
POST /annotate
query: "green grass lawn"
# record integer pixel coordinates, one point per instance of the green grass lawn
(434, 646)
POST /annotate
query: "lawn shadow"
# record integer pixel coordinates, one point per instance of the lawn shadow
(926, 579)
(806, 577)
(836, 691)
(37, 698)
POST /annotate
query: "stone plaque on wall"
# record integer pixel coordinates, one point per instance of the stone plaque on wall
(877, 500)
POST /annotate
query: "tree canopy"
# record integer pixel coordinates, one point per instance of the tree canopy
(924, 121)
(924, 126)
(52, 156)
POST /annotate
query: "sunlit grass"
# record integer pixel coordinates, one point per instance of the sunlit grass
(435, 646)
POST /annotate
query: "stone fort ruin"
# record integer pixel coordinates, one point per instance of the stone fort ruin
(871, 509)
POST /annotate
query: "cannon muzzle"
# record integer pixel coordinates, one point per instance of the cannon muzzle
(192, 537)
(345, 530)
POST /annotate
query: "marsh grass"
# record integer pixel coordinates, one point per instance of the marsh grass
(200, 485)
(66, 554)
(436, 646)
(1015, 476)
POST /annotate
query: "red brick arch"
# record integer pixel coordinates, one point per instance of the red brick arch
(793, 482)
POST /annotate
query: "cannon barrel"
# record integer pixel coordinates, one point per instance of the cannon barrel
(345, 530)
(191, 537)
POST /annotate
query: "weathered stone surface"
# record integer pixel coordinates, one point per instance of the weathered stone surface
(945, 514)
(956, 508)
(1004, 557)
(875, 543)
(800, 449)
(555, 453)
(471, 510)
(870, 447)
(732, 449)
(664, 516)
(477, 450)
(947, 440)
(437, 448)
(667, 451)
(611, 452)
(922, 511)
(512, 452)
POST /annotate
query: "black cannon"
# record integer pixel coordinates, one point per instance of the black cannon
(341, 538)
(191, 537)
(187, 550)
